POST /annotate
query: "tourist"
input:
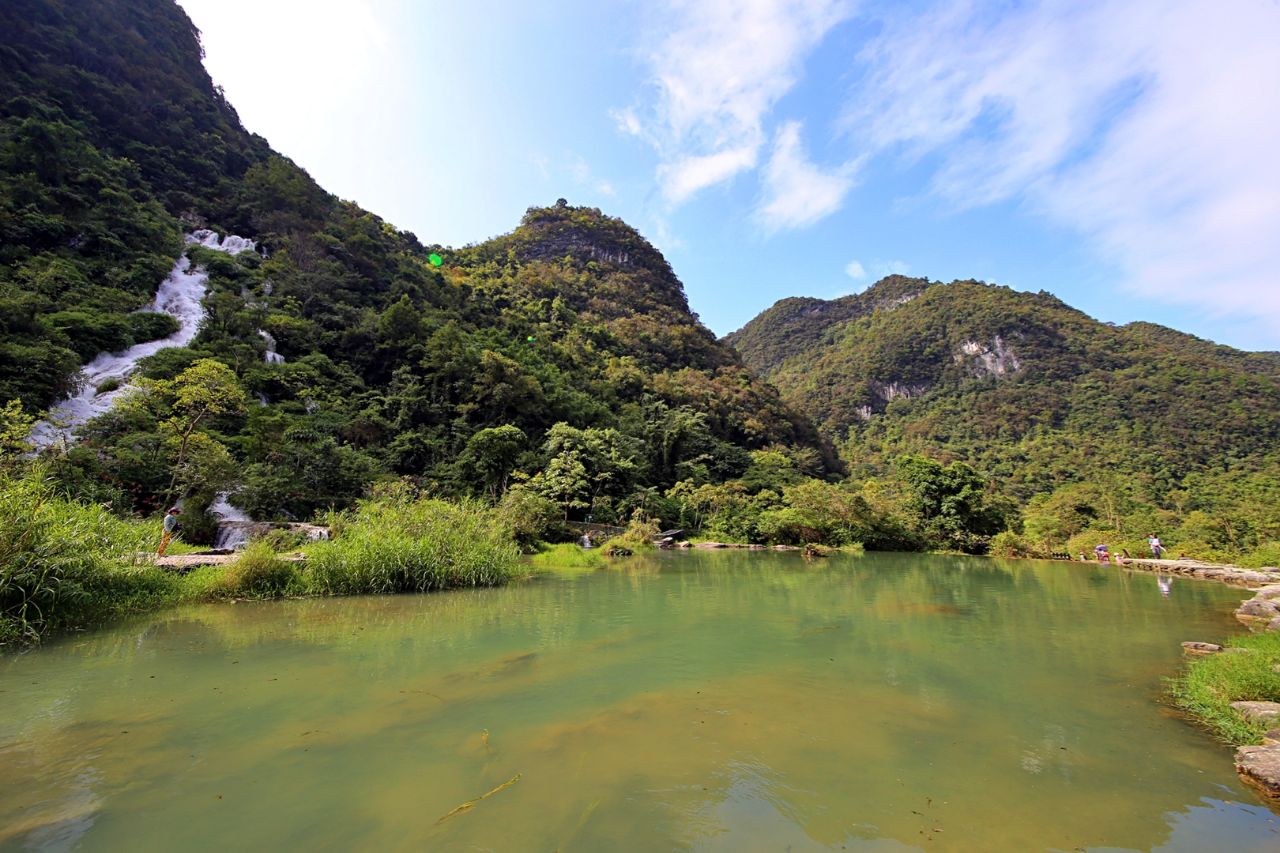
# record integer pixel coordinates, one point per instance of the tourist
(171, 527)
(1157, 550)
(1101, 552)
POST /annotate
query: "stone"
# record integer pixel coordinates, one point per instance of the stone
(1194, 648)
(1271, 738)
(1258, 712)
(1260, 766)
(1258, 607)
(1268, 593)
(708, 545)
(1274, 624)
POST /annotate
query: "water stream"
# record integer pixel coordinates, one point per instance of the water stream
(180, 296)
(686, 701)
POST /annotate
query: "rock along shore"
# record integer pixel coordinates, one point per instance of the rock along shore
(1258, 765)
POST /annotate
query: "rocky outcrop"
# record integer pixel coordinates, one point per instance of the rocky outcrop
(1265, 713)
(1260, 767)
(1262, 612)
(1195, 648)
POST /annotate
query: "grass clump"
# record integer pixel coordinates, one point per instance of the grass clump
(397, 541)
(66, 563)
(257, 573)
(568, 555)
(1210, 684)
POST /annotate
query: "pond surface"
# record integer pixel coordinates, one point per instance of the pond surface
(720, 701)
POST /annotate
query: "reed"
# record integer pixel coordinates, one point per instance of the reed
(256, 573)
(398, 542)
(64, 562)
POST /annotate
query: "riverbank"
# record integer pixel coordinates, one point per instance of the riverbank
(1233, 688)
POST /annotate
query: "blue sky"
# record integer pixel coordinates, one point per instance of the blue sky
(1122, 156)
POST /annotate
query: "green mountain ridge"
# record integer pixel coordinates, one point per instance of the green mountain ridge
(1021, 385)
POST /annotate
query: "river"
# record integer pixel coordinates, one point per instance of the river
(721, 701)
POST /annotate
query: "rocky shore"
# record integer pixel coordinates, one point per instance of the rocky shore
(1258, 765)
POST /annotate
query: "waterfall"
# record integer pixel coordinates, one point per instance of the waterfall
(270, 356)
(179, 296)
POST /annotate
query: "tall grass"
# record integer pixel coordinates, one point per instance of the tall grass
(569, 555)
(398, 542)
(64, 562)
(257, 573)
(1210, 684)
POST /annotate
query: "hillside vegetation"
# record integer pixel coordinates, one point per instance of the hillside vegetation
(562, 357)
(1117, 431)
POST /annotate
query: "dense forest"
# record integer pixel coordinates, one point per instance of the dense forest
(555, 372)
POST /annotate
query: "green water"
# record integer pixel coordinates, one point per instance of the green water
(704, 701)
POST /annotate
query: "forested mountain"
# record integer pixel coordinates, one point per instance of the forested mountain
(563, 353)
(1027, 389)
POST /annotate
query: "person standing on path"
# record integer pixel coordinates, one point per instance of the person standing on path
(171, 527)
(1157, 550)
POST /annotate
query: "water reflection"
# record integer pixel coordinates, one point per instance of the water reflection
(687, 701)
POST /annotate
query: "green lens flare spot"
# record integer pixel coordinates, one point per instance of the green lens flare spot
(435, 259)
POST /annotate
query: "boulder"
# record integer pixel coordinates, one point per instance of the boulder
(1258, 712)
(1271, 738)
(1274, 624)
(1268, 593)
(1194, 648)
(709, 545)
(1260, 767)
(1259, 607)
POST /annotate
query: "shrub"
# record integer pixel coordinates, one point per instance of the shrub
(1266, 554)
(397, 542)
(256, 572)
(1010, 545)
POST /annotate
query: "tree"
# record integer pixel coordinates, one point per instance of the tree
(202, 392)
(491, 456)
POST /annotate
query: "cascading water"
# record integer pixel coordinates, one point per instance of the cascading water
(233, 524)
(270, 356)
(179, 296)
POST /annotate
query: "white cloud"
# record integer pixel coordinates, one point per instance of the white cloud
(880, 269)
(1149, 126)
(582, 175)
(855, 270)
(798, 193)
(719, 68)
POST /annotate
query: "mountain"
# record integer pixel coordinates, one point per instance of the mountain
(343, 351)
(1022, 386)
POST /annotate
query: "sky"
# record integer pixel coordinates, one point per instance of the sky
(1124, 156)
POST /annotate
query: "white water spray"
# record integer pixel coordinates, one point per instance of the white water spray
(179, 296)
(270, 356)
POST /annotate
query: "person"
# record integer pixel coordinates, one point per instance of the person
(1101, 552)
(171, 527)
(1157, 550)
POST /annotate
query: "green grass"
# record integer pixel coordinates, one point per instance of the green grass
(257, 573)
(66, 564)
(1211, 683)
(568, 555)
(400, 543)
